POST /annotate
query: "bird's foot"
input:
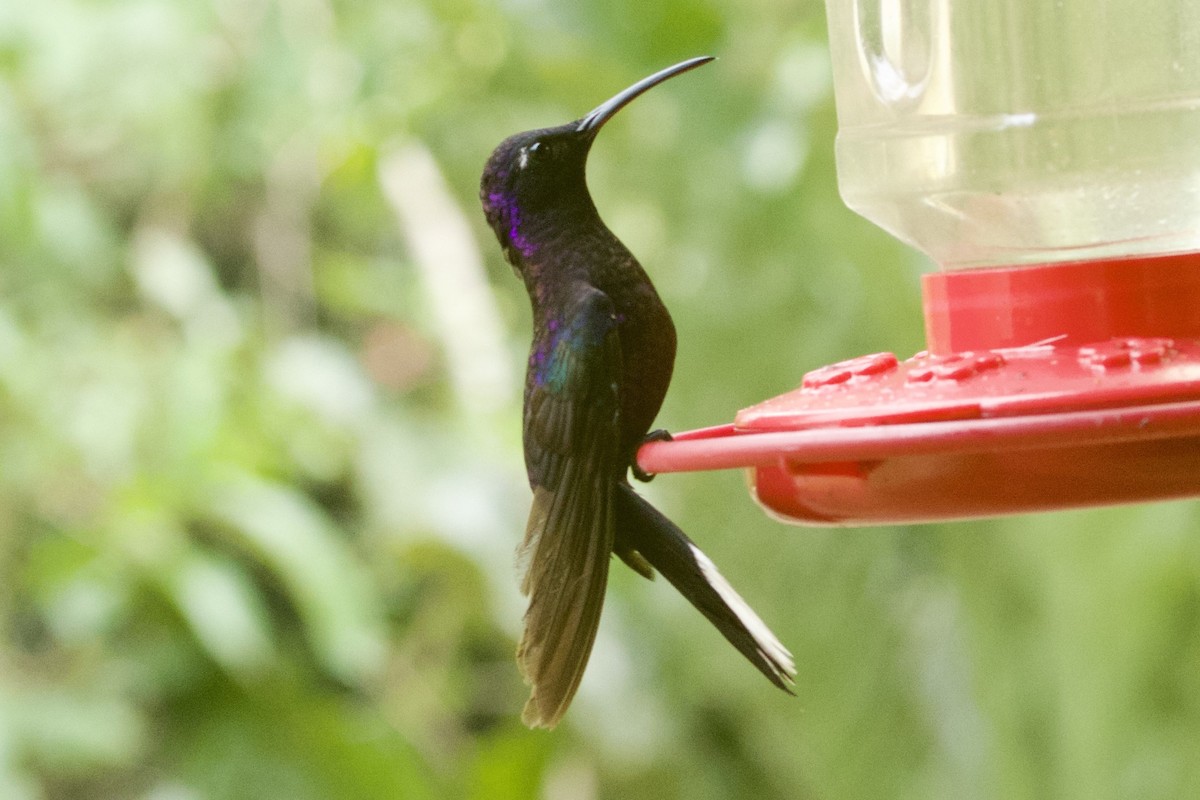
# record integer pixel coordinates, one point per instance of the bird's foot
(658, 435)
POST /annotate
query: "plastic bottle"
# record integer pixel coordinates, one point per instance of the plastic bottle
(1008, 132)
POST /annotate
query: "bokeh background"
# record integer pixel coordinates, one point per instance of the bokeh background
(260, 477)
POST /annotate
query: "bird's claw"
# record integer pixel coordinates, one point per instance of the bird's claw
(658, 435)
(641, 474)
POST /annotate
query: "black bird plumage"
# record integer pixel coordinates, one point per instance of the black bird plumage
(602, 355)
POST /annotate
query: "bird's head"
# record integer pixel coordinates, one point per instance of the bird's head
(543, 169)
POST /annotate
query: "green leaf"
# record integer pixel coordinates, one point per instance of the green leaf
(321, 574)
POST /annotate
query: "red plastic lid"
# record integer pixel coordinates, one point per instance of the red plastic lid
(1070, 303)
(1100, 405)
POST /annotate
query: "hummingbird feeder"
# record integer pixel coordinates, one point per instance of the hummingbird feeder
(1047, 158)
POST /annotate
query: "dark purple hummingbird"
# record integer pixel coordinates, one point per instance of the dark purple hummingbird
(603, 350)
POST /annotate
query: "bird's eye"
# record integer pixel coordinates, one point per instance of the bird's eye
(523, 155)
(538, 151)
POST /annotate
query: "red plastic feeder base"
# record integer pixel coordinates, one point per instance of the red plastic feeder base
(1044, 387)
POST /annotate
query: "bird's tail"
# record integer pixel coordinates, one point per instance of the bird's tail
(644, 535)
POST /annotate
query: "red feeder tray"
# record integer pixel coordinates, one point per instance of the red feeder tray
(1045, 387)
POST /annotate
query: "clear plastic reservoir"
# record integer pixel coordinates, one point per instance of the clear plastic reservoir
(1003, 132)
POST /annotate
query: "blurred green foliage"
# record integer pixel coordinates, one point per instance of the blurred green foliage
(260, 483)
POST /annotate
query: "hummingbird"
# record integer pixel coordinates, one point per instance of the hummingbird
(601, 359)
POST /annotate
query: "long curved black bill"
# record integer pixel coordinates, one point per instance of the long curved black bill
(605, 111)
